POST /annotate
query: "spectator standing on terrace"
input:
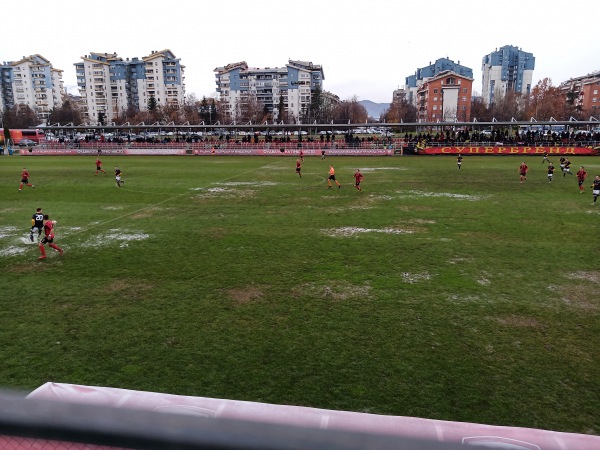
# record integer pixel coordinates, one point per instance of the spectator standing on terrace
(299, 168)
(25, 179)
(37, 224)
(99, 166)
(459, 159)
(118, 174)
(550, 171)
(332, 178)
(596, 188)
(581, 174)
(48, 237)
(358, 177)
(523, 171)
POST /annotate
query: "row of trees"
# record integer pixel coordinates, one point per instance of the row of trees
(544, 102)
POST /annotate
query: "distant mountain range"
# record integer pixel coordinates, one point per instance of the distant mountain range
(374, 109)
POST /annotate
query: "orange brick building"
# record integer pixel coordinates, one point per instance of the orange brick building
(445, 97)
(586, 92)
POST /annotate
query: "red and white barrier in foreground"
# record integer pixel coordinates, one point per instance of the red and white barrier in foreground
(468, 434)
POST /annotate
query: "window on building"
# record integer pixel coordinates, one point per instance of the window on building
(435, 91)
(464, 99)
(435, 107)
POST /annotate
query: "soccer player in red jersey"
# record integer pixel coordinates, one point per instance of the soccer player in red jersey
(25, 179)
(523, 171)
(581, 174)
(99, 166)
(48, 237)
(299, 168)
(358, 177)
(302, 155)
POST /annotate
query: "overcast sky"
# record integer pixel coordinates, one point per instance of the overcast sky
(366, 48)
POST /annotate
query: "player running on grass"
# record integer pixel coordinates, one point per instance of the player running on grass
(581, 174)
(299, 168)
(459, 159)
(37, 224)
(48, 237)
(25, 179)
(99, 167)
(596, 188)
(358, 177)
(118, 175)
(523, 171)
(550, 171)
(332, 178)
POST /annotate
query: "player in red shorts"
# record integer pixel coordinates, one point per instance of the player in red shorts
(25, 179)
(358, 177)
(48, 237)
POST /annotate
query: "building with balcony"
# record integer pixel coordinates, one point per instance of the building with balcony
(109, 85)
(414, 82)
(31, 81)
(239, 86)
(504, 70)
(445, 97)
(583, 94)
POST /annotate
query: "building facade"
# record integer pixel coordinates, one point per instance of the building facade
(32, 81)
(109, 85)
(445, 97)
(504, 70)
(239, 86)
(584, 93)
(414, 82)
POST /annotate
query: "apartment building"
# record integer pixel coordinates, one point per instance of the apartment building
(445, 97)
(414, 82)
(239, 85)
(31, 81)
(110, 85)
(506, 69)
(584, 92)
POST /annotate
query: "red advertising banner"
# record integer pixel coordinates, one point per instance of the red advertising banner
(501, 150)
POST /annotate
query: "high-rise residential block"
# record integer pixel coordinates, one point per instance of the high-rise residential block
(413, 82)
(293, 86)
(111, 85)
(583, 94)
(508, 69)
(31, 81)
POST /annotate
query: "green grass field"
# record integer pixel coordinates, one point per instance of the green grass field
(436, 293)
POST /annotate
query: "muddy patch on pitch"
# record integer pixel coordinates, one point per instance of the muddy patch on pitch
(242, 296)
(519, 322)
(415, 193)
(222, 192)
(355, 231)
(413, 278)
(336, 291)
(115, 236)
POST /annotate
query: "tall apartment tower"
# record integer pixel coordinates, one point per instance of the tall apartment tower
(32, 81)
(504, 70)
(414, 82)
(237, 84)
(109, 84)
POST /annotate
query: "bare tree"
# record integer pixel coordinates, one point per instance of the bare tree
(350, 111)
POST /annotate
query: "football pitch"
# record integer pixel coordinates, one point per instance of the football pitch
(435, 292)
